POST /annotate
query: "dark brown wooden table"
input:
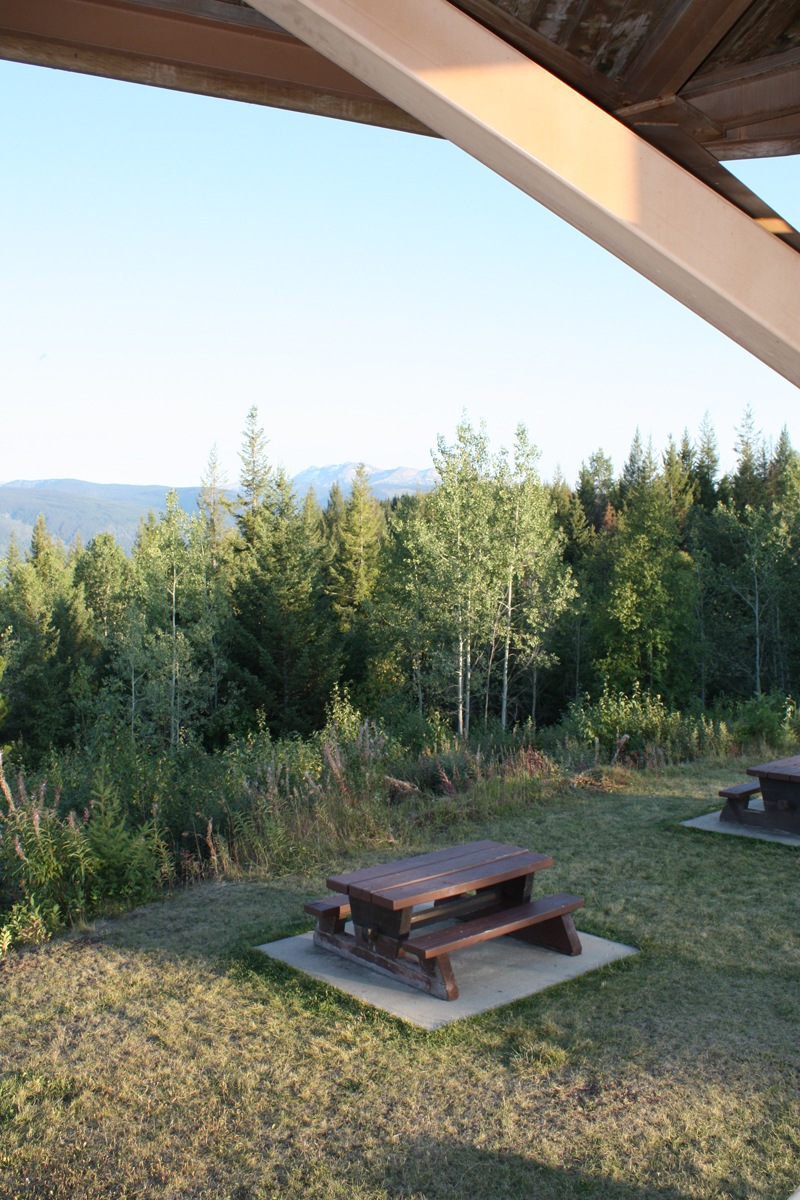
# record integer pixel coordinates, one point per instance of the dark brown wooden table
(481, 890)
(779, 784)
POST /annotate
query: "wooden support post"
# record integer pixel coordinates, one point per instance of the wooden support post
(559, 934)
(435, 977)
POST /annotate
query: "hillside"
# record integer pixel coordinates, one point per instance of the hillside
(76, 506)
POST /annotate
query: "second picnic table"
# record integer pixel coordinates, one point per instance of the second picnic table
(485, 886)
(779, 785)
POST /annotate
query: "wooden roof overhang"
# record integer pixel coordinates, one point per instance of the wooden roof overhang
(703, 80)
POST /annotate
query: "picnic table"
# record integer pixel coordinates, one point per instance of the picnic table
(481, 890)
(779, 785)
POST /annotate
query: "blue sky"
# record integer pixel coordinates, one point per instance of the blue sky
(169, 260)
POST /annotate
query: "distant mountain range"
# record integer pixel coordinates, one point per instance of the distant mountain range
(73, 506)
(384, 484)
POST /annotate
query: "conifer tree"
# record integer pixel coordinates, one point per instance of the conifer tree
(46, 632)
(748, 486)
(596, 486)
(283, 660)
(257, 474)
(13, 555)
(676, 479)
(640, 468)
(706, 464)
(686, 452)
(782, 460)
(354, 571)
(213, 504)
(332, 521)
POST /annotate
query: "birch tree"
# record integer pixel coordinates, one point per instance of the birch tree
(537, 584)
(462, 563)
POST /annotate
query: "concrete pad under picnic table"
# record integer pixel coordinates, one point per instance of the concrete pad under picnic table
(712, 824)
(489, 975)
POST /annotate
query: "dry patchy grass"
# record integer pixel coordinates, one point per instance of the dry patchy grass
(156, 1056)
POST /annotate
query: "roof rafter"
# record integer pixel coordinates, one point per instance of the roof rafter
(203, 46)
(679, 44)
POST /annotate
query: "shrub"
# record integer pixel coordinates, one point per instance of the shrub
(769, 719)
(639, 729)
(58, 869)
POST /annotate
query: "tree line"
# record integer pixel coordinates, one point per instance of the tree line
(493, 600)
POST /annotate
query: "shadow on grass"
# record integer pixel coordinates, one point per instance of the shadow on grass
(209, 920)
(447, 1169)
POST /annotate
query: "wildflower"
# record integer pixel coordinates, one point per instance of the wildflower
(18, 848)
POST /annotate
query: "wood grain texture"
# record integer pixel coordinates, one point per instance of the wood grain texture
(558, 934)
(509, 920)
(781, 768)
(458, 882)
(203, 46)
(420, 861)
(679, 44)
(429, 875)
(435, 977)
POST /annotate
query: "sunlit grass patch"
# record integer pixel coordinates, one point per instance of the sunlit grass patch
(159, 1055)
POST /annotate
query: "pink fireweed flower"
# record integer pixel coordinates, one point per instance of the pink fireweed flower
(36, 821)
(18, 848)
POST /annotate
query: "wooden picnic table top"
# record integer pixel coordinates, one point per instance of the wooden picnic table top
(786, 769)
(438, 875)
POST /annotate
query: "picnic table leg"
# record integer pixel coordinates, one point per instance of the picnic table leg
(435, 977)
(559, 934)
(377, 942)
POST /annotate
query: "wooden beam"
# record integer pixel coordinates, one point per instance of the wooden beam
(679, 44)
(764, 92)
(690, 138)
(777, 137)
(460, 80)
(565, 66)
(203, 46)
(703, 164)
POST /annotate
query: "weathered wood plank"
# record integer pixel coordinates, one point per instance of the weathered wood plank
(435, 857)
(202, 46)
(781, 768)
(455, 884)
(424, 875)
(558, 934)
(678, 44)
(509, 920)
(435, 977)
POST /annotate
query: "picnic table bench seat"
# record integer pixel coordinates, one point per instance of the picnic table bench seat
(515, 920)
(484, 887)
(737, 798)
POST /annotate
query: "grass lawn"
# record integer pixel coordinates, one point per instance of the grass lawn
(157, 1056)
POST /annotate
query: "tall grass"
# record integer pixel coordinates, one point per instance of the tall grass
(639, 730)
(56, 869)
(108, 827)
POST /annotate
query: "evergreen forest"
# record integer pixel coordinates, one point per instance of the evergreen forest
(493, 602)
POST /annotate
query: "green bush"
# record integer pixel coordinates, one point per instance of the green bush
(769, 719)
(56, 869)
(640, 730)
